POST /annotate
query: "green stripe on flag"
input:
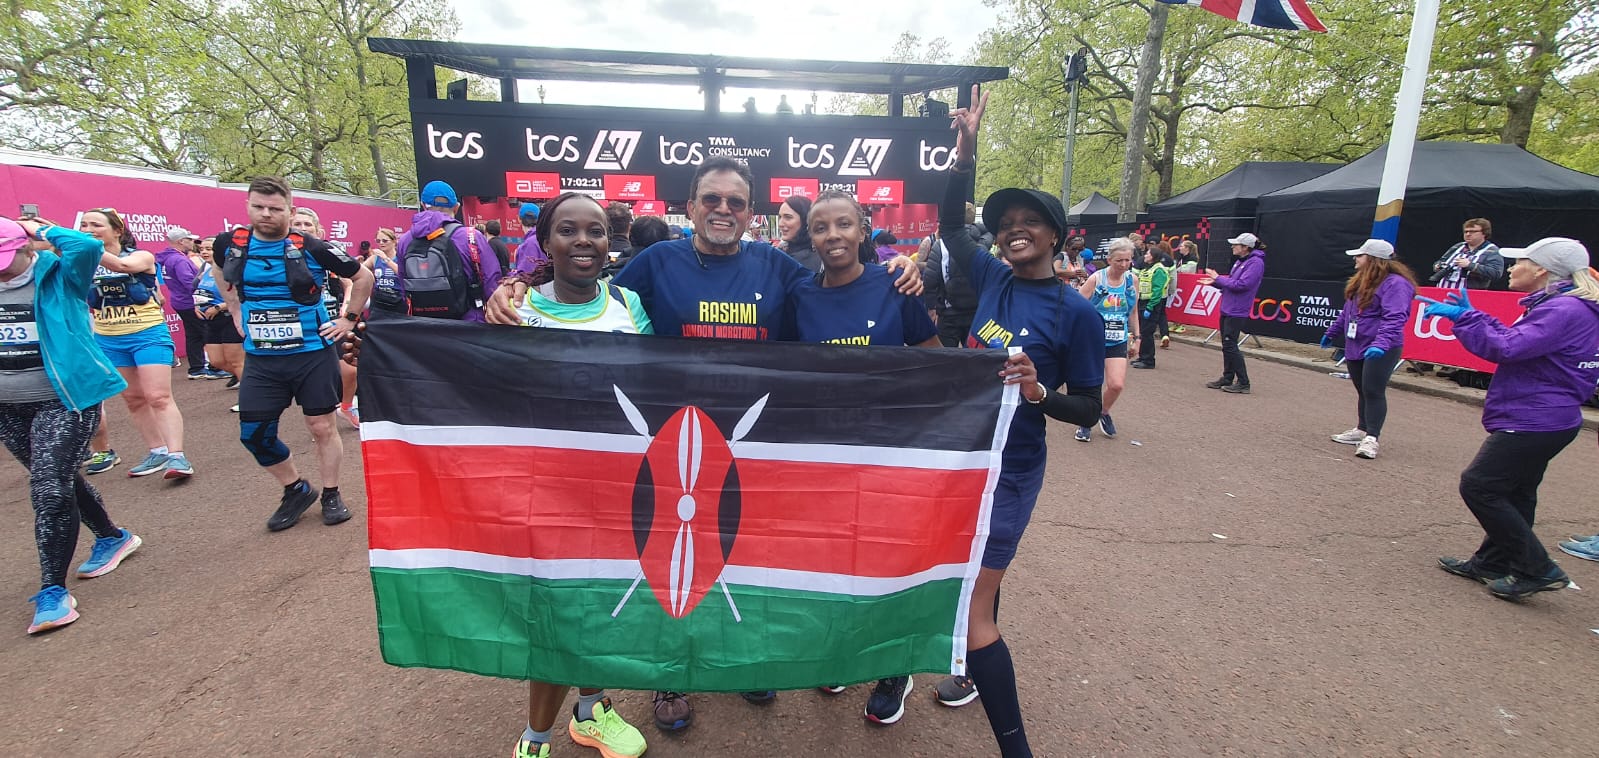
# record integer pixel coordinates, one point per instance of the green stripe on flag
(561, 631)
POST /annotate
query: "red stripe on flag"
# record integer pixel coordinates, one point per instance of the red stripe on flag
(549, 503)
(1308, 16)
(1229, 8)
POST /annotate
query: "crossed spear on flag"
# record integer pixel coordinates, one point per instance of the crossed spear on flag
(690, 446)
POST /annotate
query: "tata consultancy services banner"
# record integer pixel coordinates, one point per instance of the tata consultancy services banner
(537, 151)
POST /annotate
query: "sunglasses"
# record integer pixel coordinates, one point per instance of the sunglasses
(711, 201)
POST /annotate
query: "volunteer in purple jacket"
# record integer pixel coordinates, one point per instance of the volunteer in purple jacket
(1238, 290)
(439, 204)
(181, 275)
(1372, 328)
(1547, 367)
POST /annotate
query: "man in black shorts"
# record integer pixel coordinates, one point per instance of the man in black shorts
(272, 281)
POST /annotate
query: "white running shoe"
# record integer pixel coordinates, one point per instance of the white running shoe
(1367, 448)
(1351, 437)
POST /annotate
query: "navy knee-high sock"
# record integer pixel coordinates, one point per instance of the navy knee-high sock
(991, 670)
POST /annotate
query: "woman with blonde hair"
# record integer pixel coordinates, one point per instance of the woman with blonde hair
(1372, 327)
(1533, 409)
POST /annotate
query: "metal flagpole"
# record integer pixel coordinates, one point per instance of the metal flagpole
(1407, 112)
(1076, 68)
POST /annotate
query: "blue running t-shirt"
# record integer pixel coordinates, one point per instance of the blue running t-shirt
(274, 324)
(867, 311)
(740, 296)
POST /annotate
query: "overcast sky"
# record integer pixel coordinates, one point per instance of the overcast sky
(828, 30)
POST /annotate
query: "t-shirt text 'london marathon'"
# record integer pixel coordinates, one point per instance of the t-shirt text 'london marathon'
(727, 320)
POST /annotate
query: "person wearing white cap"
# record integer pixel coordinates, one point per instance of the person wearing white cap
(1547, 367)
(53, 379)
(1238, 289)
(181, 275)
(1372, 329)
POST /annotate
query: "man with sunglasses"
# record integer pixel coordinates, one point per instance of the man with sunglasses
(712, 284)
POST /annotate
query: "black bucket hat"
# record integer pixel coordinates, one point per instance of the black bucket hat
(995, 206)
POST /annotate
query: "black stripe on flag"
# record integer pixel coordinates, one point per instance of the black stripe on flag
(420, 371)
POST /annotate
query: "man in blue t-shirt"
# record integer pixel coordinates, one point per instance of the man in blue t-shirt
(272, 281)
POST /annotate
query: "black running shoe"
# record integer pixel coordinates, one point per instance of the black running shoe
(333, 510)
(886, 704)
(1511, 587)
(1218, 384)
(760, 698)
(1236, 389)
(1469, 569)
(295, 501)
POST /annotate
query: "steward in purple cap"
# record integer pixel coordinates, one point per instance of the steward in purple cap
(1547, 367)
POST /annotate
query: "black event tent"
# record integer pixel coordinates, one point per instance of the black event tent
(1234, 194)
(1308, 226)
(1094, 209)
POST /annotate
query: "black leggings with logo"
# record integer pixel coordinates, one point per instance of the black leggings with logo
(50, 442)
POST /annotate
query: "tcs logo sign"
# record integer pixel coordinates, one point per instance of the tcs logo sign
(1273, 310)
(454, 145)
(1429, 328)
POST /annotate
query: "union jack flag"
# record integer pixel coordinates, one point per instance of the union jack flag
(1293, 15)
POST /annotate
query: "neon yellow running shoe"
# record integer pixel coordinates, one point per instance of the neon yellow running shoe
(531, 749)
(607, 732)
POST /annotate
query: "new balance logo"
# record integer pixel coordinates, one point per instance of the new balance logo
(633, 187)
(882, 193)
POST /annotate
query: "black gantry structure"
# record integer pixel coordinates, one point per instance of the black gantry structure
(711, 73)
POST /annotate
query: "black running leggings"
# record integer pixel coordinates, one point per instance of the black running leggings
(1371, 390)
(50, 441)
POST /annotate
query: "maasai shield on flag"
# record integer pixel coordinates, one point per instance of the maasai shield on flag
(1293, 15)
(659, 513)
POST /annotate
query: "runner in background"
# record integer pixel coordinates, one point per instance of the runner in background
(386, 295)
(272, 282)
(1113, 291)
(794, 233)
(1372, 329)
(306, 222)
(223, 344)
(53, 378)
(131, 329)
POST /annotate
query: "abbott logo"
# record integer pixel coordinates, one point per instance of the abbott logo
(1202, 301)
(454, 145)
(1427, 329)
(865, 157)
(552, 148)
(613, 150)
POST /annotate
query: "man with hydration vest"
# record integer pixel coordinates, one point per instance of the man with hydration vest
(272, 280)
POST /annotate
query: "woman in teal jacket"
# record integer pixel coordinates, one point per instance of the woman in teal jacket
(53, 378)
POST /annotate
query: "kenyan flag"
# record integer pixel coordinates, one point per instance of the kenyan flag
(660, 513)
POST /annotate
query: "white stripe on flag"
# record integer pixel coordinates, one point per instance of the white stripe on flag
(467, 436)
(583, 568)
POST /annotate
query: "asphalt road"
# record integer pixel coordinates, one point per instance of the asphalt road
(1235, 585)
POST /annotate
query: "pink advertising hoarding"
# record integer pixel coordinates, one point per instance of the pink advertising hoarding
(150, 206)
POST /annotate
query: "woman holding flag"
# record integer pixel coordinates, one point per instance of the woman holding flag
(1061, 341)
(566, 293)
